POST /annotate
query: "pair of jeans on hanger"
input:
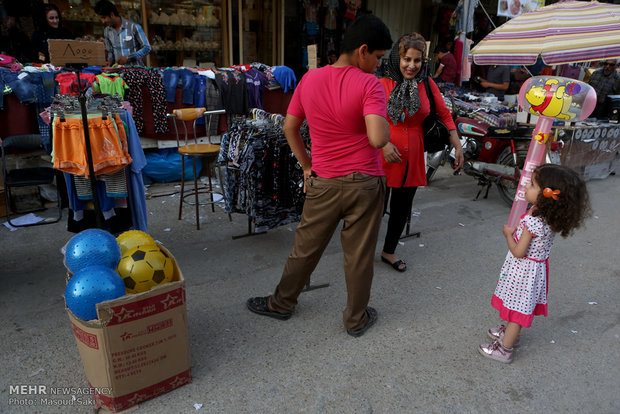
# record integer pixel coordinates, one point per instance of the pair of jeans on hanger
(172, 77)
(19, 83)
(199, 95)
(44, 87)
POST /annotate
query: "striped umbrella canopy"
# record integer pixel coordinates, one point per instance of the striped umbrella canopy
(571, 31)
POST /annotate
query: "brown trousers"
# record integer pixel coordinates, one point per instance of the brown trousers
(358, 200)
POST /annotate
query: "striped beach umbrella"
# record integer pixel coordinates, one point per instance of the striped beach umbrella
(571, 31)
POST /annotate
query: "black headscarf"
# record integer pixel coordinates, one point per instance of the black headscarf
(405, 93)
(40, 47)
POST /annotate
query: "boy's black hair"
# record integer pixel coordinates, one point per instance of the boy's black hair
(366, 30)
(105, 8)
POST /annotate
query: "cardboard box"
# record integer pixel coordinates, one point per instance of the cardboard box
(138, 348)
(76, 51)
(312, 57)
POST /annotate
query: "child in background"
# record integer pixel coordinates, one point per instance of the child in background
(560, 204)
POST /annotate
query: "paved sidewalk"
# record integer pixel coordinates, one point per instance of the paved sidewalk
(421, 355)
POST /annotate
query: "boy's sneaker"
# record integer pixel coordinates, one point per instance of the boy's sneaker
(498, 334)
(496, 351)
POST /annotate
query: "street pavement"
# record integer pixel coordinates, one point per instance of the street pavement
(420, 357)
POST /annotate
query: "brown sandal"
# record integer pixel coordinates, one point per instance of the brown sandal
(372, 318)
(260, 305)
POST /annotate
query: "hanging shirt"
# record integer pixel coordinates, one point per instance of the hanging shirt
(130, 41)
(233, 90)
(256, 82)
(110, 83)
(68, 82)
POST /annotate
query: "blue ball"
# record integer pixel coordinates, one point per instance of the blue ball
(92, 247)
(92, 285)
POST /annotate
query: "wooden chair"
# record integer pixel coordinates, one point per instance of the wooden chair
(196, 151)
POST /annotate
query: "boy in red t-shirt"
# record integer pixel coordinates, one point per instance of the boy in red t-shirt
(346, 110)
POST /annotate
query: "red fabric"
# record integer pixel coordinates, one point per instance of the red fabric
(458, 56)
(335, 101)
(525, 321)
(68, 82)
(546, 71)
(449, 71)
(276, 101)
(242, 68)
(17, 119)
(409, 139)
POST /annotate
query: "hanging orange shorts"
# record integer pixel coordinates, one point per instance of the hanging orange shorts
(108, 145)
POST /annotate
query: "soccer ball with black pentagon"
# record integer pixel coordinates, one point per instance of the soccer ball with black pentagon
(144, 267)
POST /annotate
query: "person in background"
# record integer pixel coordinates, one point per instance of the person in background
(605, 81)
(497, 81)
(446, 70)
(345, 107)
(125, 40)
(518, 75)
(332, 57)
(13, 41)
(49, 27)
(403, 156)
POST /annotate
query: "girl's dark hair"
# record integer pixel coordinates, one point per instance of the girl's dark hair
(367, 30)
(572, 206)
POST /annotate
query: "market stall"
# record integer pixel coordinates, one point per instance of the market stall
(148, 95)
(592, 147)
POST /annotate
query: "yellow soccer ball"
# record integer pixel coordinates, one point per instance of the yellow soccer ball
(133, 238)
(144, 267)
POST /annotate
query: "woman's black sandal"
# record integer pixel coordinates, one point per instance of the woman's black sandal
(260, 305)
(396, 265)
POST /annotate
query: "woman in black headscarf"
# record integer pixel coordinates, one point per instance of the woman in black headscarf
(408, 105)
(13, 41)
(50, 27)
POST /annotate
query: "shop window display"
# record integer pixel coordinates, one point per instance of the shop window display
(253, 41)
(188, 33)
(180, 33)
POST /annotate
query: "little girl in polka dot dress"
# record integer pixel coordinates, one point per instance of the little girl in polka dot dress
(560, 204)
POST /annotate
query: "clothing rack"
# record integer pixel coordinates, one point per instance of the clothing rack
(271, 197)
(408, 232)
(278, 121)
(264, 120)
(83, 104)
(260, 119)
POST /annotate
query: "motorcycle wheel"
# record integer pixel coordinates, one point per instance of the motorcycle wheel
(434, 161)
(508, 188)
(430, 173)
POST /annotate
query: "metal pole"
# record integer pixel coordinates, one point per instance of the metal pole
(89, 154)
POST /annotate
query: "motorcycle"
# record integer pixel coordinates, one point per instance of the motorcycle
(492, 155)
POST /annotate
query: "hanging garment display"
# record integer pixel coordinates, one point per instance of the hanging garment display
(263, 178)
(118, 178)
(136, 79)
